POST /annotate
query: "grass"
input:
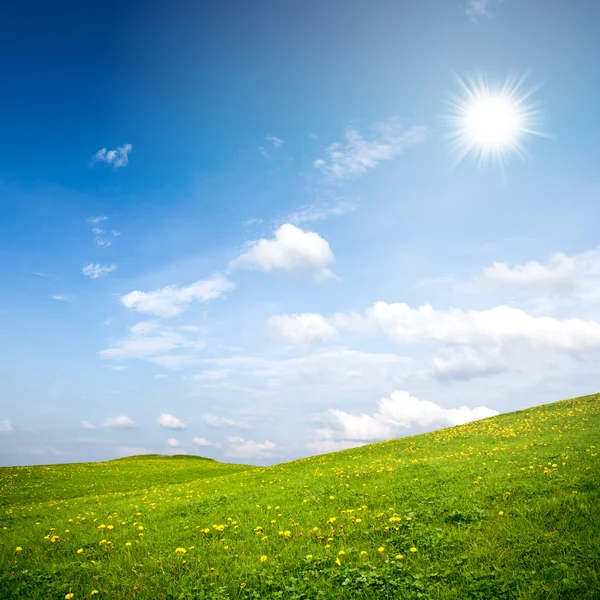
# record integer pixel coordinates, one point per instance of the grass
(503, 508)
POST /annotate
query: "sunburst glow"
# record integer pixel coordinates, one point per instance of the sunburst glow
(492, 123)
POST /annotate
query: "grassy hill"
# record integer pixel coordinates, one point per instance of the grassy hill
(502, 508)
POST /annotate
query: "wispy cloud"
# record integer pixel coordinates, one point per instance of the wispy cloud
(321, 211)
(119, 157)
(64, 298)
(478, 8)
(173, 300)
(120, 422)
(86, 425)
(6, 427)
(358, 155)
(277, 142)
(95, 271)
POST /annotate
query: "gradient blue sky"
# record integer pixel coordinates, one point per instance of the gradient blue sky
(289, 161)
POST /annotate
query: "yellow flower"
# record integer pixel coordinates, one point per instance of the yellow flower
(308, 556)
(18, 549)
(363, 552)
(110, 527)
(180, 550)
(128, 544)
(341, 553)
(399, 556)
(141, 528)
(94, 592)
(413, 549)
(263, 558)
(501, 512)
(381, 549)
(338, 562)
(80, 551)
(69, 596)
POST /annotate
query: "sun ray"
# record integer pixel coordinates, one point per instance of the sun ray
(492, 122)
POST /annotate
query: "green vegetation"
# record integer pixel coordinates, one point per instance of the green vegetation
(497, 509)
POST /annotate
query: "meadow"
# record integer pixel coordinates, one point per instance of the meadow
(503, 508)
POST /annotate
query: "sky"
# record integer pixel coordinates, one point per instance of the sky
(247, 230)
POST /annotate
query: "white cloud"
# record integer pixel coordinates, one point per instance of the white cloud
(170, 422)
(400, 411)
(498, 326)
(274, 140)
(240, 448)
(132, 451)
(357, 155)
(94, 271)
(6, 427)
(213, 375)
(216, 422)
(173, 443)
(152, 341)
(327, 446)
(478, 8)
(176, 361)
(118, 157)
(306, 327)
(172, 300)
(86, 425)
(465, 363)
(321, 211)
(120, 422)
(292, 250)
(96, 220)
(253, 221)
(201, 442)
(69, 298)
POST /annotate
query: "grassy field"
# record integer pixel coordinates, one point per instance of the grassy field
(508, 507)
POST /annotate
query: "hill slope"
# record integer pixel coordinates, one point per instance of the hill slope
(502, 508)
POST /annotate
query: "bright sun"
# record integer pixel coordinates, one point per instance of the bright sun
(491, 123)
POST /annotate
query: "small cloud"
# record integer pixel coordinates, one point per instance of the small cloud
(95, 271)
(306, 327)
(173, 443)
(274, 140)
(478, 8)
(96, 220)
(86, 425)
(254, 221)
(6, 427)
(322, 211)
(129, 451)
(117, 158)
(120, 422)
(64, 298)
(170, 422)
(217, 422)
(202, 442)
(313, 136)
(241, 448)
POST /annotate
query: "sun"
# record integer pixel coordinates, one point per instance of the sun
(492, 123)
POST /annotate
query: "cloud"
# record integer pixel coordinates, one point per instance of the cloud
(132, 451)
(358, 155)
(292, 250)
(464, 363)
(321, 211)
(240, 448)
(400, 411)
(253, 221)
(216, 422)
(6, 427)
(478, 8)
(160, 376)
(117, 158)
(214, 375)
(274, 140)
(95, 271)
(120, 422)
(152, 341)
(306, 327)
(170, 422)
(327, 446)
(172, 300)
(201, 442)
(86, 425)
(96, 220)
(173, 443)
(69, 298)
(498, 326)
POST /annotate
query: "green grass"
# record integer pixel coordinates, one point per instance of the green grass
(502, 508)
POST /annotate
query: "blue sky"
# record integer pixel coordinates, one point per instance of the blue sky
(236, 229)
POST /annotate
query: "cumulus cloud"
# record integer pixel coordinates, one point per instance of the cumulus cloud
(120, 422)
(306, 327)
(174, 443)
(86, 425)
(216, 422)
(95, 271)
(96, 220)
(125, 451)
(170, 422)
(465, 363)
(173, 300)
(400, 411)
(358, 155)
(119, 157)
(152, 341)
(201, 442)
(6, 427)
(292, 250)
(498, 326)
(240, 448)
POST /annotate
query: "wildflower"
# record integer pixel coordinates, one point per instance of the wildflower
(69, 596)
(413, 549)
(94, 592)
(363, 552)
(141, 528)
(180, 550)
(263, 558)
(128, 544)
(399, 556)
(308, 556)
(338, 562)
(500, 512)
(381, 549)
(80, 551)
(341, 553)
(18, 549)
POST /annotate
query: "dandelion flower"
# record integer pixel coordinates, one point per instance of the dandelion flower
(381, 549)
(69, 596)
(341, 553)
(413, 549)
(363, 552)
(128, 544)
(94, 592)
(80, 551)
(338, 562)
(501, 512)
(18, 549)
(180, 550)
(308, 556)
(399, 556)
(263, 558)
